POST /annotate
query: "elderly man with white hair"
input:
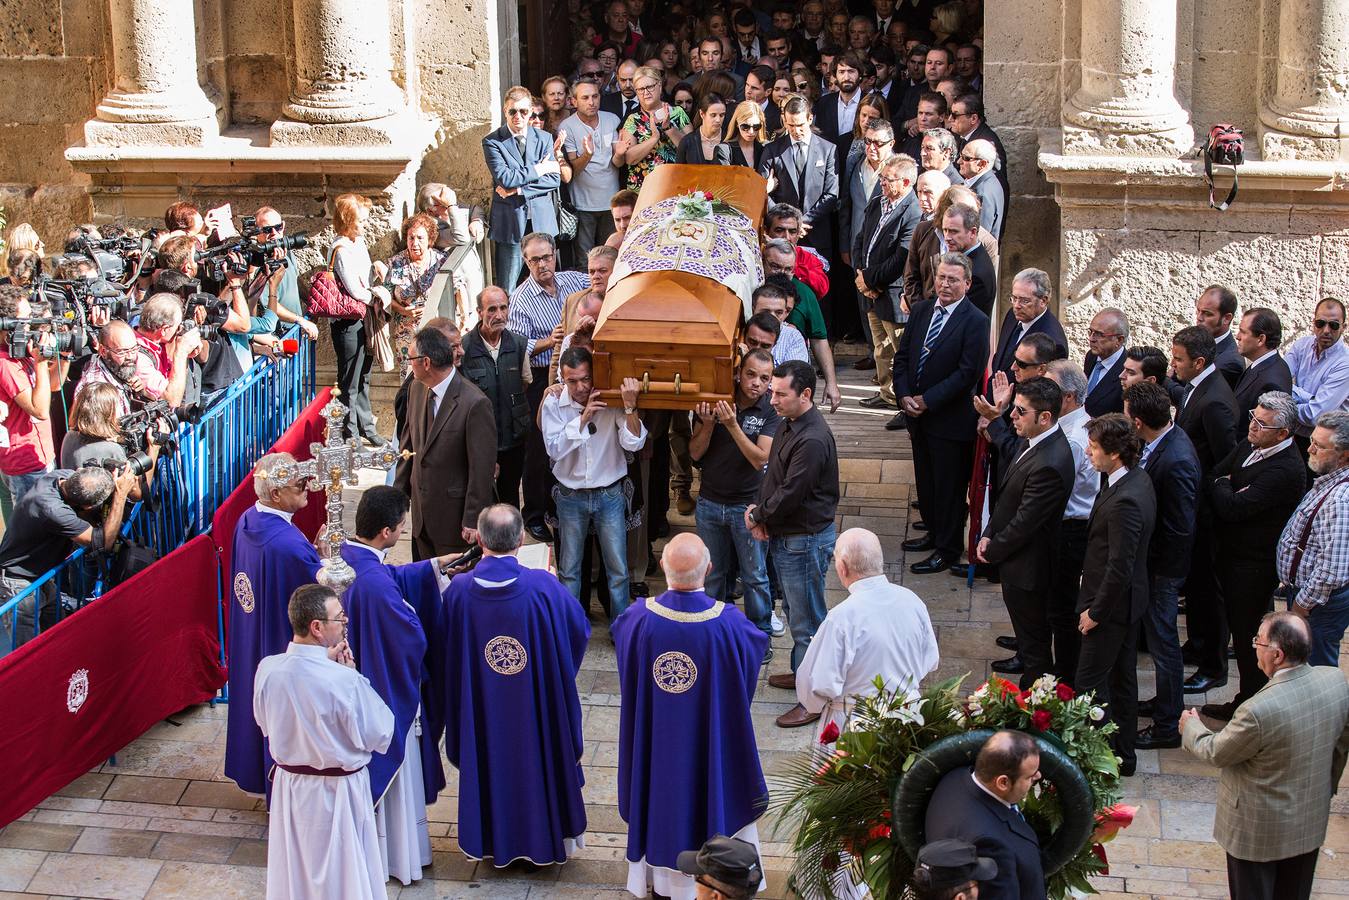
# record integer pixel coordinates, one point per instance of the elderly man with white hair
(977, 167)
(880, 629)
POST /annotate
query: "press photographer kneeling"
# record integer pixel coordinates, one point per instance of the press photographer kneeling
(98, 436)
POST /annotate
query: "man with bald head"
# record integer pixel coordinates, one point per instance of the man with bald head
(688, 764)
(1107, 334)
(879, 629)
(978, 162)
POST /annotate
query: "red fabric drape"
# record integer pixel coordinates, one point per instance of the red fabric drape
(78, 693)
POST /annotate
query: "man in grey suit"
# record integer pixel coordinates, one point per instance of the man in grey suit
(525, 173)
(977, 161)
(803, 168)
(1280, 759)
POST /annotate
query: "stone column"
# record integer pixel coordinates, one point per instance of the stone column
(1305, 112)
(156, 97)
(343, 91)
(1126, 104)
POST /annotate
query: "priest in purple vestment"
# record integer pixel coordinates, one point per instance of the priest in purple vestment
(271, 559)
(514, 638)
(392, 611)
(688, 764)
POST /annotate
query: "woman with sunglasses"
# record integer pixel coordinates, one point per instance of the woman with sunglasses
(745, 134)
(703, 145)
(650, 136)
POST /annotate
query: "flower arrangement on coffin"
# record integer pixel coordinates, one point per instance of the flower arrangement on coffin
(857, 809)
(701, 205)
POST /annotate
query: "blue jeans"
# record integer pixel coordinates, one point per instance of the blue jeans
(722, 528)
(1159, 624)
(21, 484)
(606, 508)
(507, 260)
(802, 562)
(1327, 623)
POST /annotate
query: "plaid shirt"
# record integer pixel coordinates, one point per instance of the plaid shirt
(535, 313)
(1325, 562)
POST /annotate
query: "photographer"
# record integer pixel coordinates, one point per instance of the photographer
(161, 337)
(24, 266)
(63, 509)
(284, 300)
(123, 362)
(96, 437)
(26, 383)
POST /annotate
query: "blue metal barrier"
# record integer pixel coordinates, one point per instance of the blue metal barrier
(214, 454)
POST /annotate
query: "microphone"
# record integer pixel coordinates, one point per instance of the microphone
(290, 346)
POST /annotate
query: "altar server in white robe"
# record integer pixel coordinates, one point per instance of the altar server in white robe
(324, 721)
(879, 629)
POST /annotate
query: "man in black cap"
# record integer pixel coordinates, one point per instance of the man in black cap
(725, 868)
(951, 870)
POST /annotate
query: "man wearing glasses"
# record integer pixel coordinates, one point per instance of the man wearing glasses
(1106, 334)
(977, 161)
(284, 301)
(1320, 366)
(525, 174)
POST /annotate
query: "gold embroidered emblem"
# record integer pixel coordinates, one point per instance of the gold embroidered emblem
(505, 655)
(674, 672)
(243, 591)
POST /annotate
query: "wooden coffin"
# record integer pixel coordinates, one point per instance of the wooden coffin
(676, 331)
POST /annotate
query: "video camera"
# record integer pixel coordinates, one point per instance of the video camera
(24, 334)
(116, 257)
(249, 253)
(194, 298)
(140, 430)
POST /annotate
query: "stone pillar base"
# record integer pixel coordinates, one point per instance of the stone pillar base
(193, 133)
(399, 130)
(1079, 141)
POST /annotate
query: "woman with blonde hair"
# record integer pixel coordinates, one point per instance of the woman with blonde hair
(946, 22)
(354, 273)
(745, 134)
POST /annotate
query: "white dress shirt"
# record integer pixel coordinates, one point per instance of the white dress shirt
(438, 393)
(270, 510)
(582, 459)
(847, 112)
(1257, 455)
(1117, 475)
(1194, 383)
(1086, 480)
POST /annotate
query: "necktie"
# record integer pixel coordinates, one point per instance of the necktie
(629, 107)
(1096, 372)
(430, 412)
(520, 143)
(800, 158)
(1143, 460)
(1017, 809)
(933, 332)
(1185, 396)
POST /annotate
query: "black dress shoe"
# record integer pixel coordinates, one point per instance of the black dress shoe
(930, 566)
(876, 401)
(1006, 642)
(1147, 707)
(1223, 712)
(1128, 768)
(897, 423)
(919, 544)
(1198, 684)
(1149, 739)
(638, 589)
(1010, 666)
(918, 525)
(540, 532)
(865, 364)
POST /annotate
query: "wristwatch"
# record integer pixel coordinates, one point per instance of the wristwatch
(629, 410)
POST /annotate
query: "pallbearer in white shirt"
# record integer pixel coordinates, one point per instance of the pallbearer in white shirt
(880, 629)
(324, 721)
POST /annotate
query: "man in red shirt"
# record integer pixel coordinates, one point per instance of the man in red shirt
(26, 386)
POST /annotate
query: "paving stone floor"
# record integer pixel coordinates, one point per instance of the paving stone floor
(164, 823)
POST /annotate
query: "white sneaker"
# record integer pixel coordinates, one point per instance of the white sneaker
(778, 628)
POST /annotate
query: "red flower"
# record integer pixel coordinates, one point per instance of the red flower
(707, 195)
(1100, 854)
(1041, 719)
(1064, 691)
(1022, 699)
(878, 831)
(829, 734)
(1004, 686)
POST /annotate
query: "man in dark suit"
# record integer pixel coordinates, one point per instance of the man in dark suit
(1208, 414)
(879, 251)
(1214, 311)
(1114, 592)
(1254, 491)
(1258, 339)
(803, 166)
(1168, 458)
(1106, 334)
(452, 434)
(980, 807)
(525, 173)
(1037, 478)
(966, 121)
(836, 111)
(941, 358)
(759, 88)
(960, 227)
(622, 102)
(977, 161)
(1032, 290)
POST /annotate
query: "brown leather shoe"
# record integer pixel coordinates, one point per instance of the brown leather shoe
(796, 717)
(784, 680)
(684, 503)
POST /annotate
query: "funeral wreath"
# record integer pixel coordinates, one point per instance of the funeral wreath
(857, 800)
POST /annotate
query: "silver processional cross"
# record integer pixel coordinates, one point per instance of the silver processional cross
(334, 464)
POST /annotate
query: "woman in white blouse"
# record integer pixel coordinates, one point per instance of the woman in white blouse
(352, 269)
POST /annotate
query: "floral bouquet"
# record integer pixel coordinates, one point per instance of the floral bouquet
(838, 798)
(701, 205)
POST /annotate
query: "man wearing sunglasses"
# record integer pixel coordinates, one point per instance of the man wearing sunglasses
(1320, 366)
(525, 173)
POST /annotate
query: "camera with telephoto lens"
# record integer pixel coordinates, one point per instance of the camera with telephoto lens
(140, 463)
(223, 260)
(217, 310)
(140, 430)
(24, 334)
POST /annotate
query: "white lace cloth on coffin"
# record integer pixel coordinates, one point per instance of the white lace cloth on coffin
(724, 248)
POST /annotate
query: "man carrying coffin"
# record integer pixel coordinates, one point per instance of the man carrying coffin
(271, 559)
(393, 609)
(514, 639)
(688, 765)
(324, 721)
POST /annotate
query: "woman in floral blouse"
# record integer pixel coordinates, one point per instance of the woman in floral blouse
(651, 135)
(410, 276)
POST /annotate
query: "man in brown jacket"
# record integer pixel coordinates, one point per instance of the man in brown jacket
(1280, 758)
(451, 431)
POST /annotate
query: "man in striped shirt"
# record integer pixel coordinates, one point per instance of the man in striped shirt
(536, 315)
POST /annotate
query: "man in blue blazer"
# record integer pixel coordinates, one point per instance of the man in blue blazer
(805, 172)
(980, 806)
(941, 357)
(526, 177)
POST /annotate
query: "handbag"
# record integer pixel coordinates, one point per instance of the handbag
(1224, 147)
(328, 299)
(566, 219)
